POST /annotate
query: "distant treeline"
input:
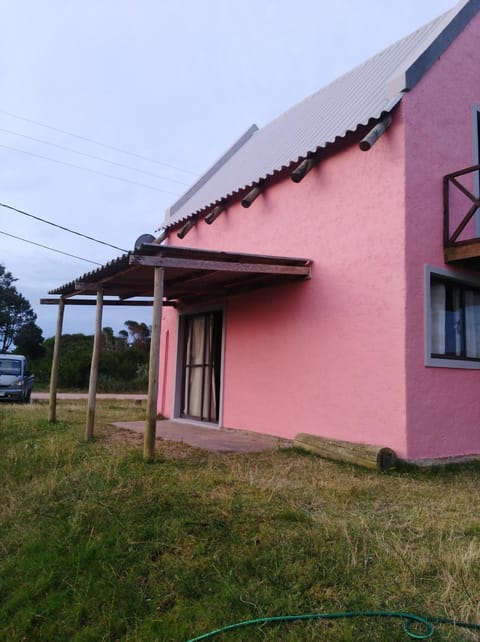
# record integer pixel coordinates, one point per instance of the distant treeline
(123, 361)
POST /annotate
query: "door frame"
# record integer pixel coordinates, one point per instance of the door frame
(178, 380)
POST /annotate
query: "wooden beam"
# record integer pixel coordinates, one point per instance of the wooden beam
(360, 454)
(109, 283)
(463, 224)
(467, 170)
(130, 294)
(218, 294)
(206, 284)
(92, 387)
(466, 191)
(214, 214)
(463, 251)
(446, 211)
(302, 170)
(52, 408)
(215, 255)
(109, 287)
(374, 134)
(152, 399)
(186, 228)
(220, 266)
(93, 302)
(253, 194)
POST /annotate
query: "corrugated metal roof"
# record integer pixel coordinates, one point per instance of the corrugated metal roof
(357, 98)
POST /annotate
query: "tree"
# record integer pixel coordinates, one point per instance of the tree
(15, 310)
(29, 341)
(121, 369)
(108, 339)
(139, 333)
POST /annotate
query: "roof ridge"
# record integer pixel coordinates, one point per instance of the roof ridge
(364, 63)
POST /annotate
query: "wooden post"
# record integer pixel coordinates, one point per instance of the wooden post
(152, 401)
(92, 386)
(52, 415)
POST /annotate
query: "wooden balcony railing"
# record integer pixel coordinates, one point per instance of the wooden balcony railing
(460, 230)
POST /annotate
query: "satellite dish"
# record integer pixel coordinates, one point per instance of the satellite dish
(144, 238)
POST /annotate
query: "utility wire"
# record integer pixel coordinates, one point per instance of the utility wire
(100, 158)
(87, 169)
(47, 248)
(42, 220)
(96, 142)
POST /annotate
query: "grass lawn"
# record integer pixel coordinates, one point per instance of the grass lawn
(97, 545)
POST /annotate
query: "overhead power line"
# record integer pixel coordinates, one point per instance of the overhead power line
(96, 142)
(46, 247)
(87, 169)
(99, 158)
(66, 229)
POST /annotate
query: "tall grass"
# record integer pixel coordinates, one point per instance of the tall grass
(97, 545)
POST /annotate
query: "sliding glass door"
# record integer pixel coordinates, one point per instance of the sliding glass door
(202, 351)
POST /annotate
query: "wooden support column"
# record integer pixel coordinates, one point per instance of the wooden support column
(52, 412)
(152, 401)
(92, 386)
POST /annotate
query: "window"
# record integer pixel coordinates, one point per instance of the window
(453, 322)
(10, 367)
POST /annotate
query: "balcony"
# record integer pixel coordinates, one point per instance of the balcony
(461, 224)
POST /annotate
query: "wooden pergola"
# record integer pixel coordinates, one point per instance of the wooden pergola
(163, 275)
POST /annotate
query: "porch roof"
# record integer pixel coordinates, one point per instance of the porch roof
(190, 274)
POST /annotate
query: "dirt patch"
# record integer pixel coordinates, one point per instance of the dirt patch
(119, 438)
(128, 438)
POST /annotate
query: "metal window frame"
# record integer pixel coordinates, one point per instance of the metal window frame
(461, 278)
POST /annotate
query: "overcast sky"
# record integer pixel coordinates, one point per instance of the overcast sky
(173, 81)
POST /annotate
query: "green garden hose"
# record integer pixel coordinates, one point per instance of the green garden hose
(424, 621)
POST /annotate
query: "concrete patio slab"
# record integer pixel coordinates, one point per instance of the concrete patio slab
(223, 440)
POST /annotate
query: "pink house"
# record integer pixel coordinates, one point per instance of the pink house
(321, 275)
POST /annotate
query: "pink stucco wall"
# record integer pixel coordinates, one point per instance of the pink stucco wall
(325, 356)
(443, 404)
(342, 355)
